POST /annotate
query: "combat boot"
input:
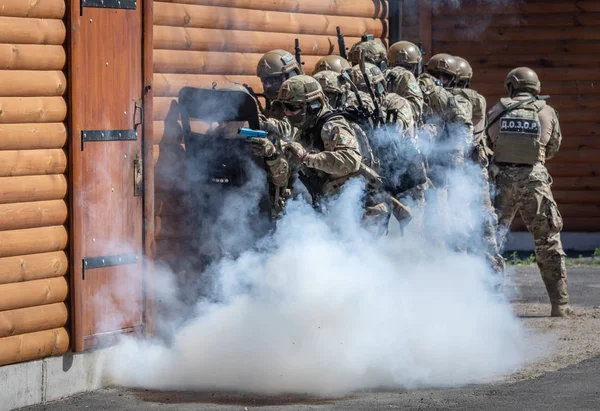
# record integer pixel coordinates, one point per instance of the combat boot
(564, 310)
(559, 298)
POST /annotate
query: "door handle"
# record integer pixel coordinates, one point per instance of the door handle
(137, 106)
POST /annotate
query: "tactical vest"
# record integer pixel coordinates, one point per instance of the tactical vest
(318, 184)
(364, 146)
(519, 134)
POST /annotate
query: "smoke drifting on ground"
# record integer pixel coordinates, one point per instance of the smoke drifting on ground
(321, 307)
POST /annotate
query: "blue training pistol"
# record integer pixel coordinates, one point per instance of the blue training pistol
(250, 133)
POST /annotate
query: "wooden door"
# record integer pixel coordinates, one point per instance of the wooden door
(107, 169)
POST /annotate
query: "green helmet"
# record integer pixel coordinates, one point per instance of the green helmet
(273, 68)
(404, 54)
(522, 79)
(303, 100)
(376, 78)
(333, 88)
(444, 67)
(374, 52)
(332, 62)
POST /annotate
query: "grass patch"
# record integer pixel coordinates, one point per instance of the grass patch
(522, 259)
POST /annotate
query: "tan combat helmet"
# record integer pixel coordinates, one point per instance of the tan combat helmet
(303, 99)
(375, 76)
(406, 54)
(333, 88)
(522, 79)
(465, 73)
(374, 52)
(332, 62)
(445, 68)
(273, 68)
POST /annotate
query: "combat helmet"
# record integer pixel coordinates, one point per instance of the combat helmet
(522, 79)
(333, 88)
(332, 62)
(303, 100)
(406, 54)
(465, 73)
(273, 68)
(445, 68)
(375, 76)
(373, 50)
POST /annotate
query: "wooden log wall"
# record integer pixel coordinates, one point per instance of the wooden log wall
(560, 40)
(33, 186)
(198, 42)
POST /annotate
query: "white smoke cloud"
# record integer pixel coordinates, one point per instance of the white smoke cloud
(320, 307)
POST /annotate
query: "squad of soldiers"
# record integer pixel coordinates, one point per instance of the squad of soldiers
(378, 116)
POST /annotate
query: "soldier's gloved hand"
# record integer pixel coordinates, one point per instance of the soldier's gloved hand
(261, 147)
(295, 150)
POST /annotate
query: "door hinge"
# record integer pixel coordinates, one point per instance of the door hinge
(110, 4)
(106, 261)
(138, 176)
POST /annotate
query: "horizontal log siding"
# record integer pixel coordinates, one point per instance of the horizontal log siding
(33, 186)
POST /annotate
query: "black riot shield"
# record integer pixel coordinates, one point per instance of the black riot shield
(227, 185)
(223, 160)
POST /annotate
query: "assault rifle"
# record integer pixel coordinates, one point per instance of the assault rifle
(341, 43)
(298, 52)
(378, 117)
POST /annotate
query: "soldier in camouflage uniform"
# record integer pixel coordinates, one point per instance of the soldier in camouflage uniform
(332, 62)
(450, 118)
(399, 80)
(400, 160)
(339, 96)
(525, 132)
(406, 62)
(450, 115)
(273, 69)
(480, 155)
(325, 151)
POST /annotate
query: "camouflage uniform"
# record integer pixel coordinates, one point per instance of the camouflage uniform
(326, 151)
(403, 83)
(277, 128)
(452, 118)
(273, 68)
(406, 169)
(523, 139)
(481, 154)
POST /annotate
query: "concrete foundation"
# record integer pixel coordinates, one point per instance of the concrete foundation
(523, 241)
(35, 382)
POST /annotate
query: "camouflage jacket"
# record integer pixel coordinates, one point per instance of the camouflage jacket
(403, 82)
(275, 124)
(450, 115)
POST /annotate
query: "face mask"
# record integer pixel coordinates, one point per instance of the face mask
(271, 86)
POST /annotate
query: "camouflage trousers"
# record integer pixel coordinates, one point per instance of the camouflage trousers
(488, 247)
(527, 189)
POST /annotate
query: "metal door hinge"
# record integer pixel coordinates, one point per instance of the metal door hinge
(138, 177)
(110, 4)
(107, 135)
(107, 261)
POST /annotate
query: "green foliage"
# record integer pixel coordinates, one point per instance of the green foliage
(596, 256)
